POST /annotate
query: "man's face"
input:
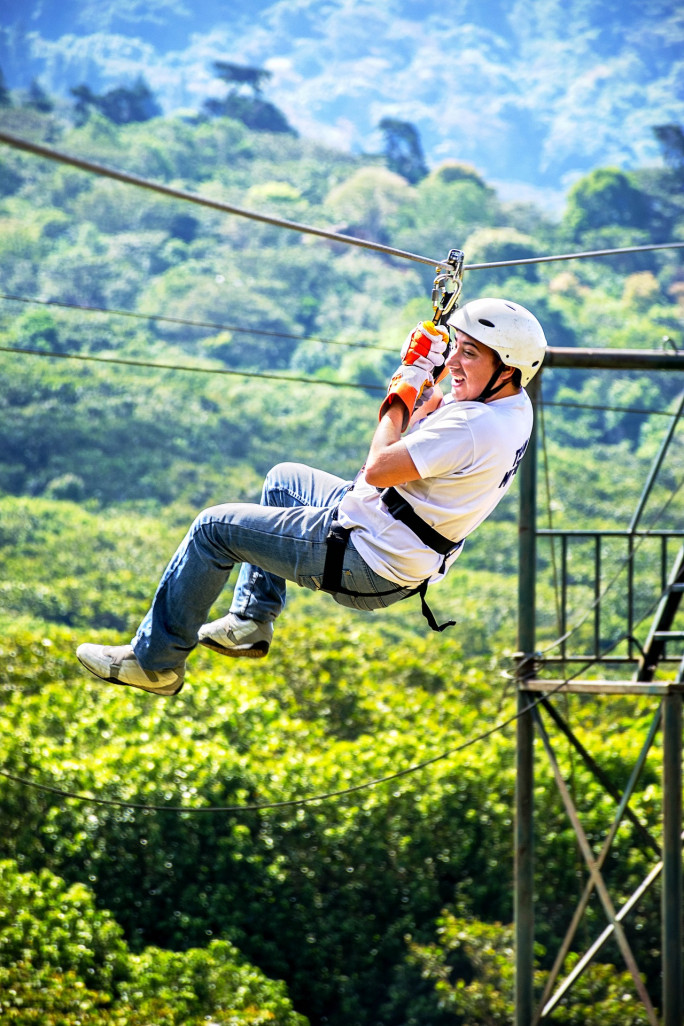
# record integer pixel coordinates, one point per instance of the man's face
(471, 365)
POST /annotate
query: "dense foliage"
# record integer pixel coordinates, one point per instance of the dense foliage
(381, 906)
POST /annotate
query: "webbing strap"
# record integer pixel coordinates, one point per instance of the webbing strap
(337, 540)
(402, 510)
(427, 612)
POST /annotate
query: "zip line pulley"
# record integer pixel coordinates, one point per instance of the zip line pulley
(446, 288)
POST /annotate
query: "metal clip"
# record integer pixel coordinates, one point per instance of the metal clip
(447, 286)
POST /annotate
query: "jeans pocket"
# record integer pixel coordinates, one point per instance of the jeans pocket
(310, 581)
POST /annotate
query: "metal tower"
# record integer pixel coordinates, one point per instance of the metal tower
(537, 712)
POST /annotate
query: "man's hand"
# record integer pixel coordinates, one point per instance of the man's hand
(412, 382)
(425, 346)
(406, 386)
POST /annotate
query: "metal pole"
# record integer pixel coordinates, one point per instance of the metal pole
(673, 1003)
(613, 359)
(524, 784)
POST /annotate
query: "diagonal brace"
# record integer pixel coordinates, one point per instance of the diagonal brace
(601, 776)
(546, 1005)
(595, 873)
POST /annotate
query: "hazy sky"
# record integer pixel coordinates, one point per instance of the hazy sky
(530, 93)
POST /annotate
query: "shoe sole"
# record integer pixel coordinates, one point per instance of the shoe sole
(257, 651)
(125, 684)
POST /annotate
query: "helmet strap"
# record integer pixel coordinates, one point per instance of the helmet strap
(491, 388)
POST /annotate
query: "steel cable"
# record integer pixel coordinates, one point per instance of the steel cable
(93, 167)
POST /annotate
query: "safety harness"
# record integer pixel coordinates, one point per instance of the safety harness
(402, 510)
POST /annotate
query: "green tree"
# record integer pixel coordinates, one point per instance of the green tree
(38, 98)
(253, 111)
(367, 201)
(85, 99)
(402, 150)
(257, 114)
(63, 962)
(605, 198)
(5, 95)
(236, 75)
(492, 245)
(443, 209)
(122, 105)
(129, 103)
(471, 968)
(671, 141)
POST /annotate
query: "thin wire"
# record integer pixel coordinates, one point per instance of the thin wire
(89, 358)
(307, 380)
(576, 256)
(50, 153)
(640, 410)
(188, 323)
(257, 807)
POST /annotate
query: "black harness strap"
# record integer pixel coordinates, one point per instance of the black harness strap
(427, 612)
(402, 510)
(337, 540)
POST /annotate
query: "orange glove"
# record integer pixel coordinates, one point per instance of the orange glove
(406, 386)
(426, 346)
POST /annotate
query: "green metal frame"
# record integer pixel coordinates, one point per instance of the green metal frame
(531, 701)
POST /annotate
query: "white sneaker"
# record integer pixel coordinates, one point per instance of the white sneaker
(119, 666)
(234, 636)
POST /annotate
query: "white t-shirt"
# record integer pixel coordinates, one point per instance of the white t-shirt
(467, 454)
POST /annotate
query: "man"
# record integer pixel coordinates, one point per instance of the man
(436, 468)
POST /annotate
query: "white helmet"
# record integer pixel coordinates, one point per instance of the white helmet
(510, 330)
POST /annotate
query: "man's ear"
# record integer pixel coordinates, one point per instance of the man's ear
(506, 374)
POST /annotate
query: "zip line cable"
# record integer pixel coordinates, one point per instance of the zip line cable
(204, 201)
(89, 358)
(190, 323)
(575, 256)
(93, 167)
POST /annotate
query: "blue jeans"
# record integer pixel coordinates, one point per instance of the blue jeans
(282, 539)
